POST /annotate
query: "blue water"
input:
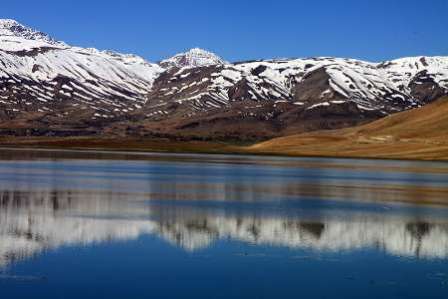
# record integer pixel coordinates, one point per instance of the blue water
(197, 226)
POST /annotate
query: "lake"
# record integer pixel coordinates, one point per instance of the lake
(123, 225)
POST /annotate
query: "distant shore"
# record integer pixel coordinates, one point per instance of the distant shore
(324, 148)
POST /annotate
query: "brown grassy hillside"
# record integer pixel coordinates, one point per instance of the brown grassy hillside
(416, 134)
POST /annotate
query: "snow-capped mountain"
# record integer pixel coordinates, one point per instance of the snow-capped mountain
(39, 74)
(292, 95)
(49, 87)
(193, 58)
(313, 82)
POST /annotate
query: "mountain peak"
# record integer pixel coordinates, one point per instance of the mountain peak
(199, 51)
(11, 31)
(195, 57)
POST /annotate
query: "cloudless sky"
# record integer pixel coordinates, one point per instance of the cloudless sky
(238, 30)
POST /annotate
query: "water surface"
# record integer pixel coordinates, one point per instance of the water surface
(101, 225)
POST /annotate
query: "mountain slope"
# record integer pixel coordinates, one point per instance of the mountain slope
(420, 133)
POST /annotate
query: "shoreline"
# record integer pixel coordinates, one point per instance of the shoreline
(146, 147)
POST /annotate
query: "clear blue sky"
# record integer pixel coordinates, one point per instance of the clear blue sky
(237, 30)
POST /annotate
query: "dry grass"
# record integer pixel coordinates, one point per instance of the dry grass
(415, 134)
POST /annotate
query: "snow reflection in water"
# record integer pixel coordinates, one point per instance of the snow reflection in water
(191, 204)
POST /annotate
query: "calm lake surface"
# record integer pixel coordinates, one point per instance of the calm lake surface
(99, 225)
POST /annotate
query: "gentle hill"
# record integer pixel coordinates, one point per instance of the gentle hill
(415, 134)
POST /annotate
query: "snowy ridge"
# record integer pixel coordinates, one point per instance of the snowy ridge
(354, 80)
(15, 37)
(402, 71)
(50, 71)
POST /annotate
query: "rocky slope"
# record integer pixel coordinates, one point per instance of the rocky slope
(50, 88)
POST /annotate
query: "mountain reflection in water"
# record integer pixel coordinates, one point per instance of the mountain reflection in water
(48, 204)
(33, 222)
